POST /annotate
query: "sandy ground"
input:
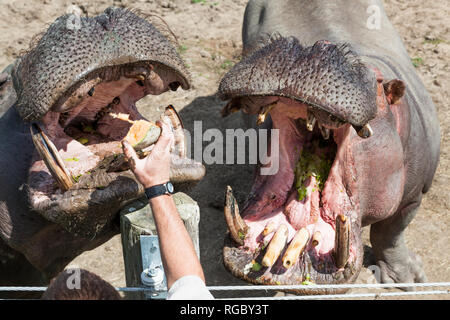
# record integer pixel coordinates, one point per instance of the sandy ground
(209, 33)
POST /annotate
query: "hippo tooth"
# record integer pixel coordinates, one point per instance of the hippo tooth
(295, 248)
(364, 132)
(178, 131)
(275, 247)
(325, 131)
(342, 241)
(316, 239)
(91, 91)
(310, 121)
(264, 112)
(269, 228)
(235, 223)
(51, 157)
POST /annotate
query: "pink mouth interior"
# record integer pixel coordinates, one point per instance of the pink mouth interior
(85, 135)
(275, 198)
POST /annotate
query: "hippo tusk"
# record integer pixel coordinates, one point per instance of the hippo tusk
(264, 112)
(342, 241)
(310, 120)
(365, 131)
(235, 223)
(316, 239)
(51, 157)
(238, 221)
(275, 247)
(269, 228)
(325, 131)
(178, 131)
(295, 248)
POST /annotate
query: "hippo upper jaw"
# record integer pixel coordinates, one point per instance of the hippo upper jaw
(83, 107)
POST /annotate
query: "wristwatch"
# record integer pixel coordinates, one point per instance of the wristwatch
(159, 190)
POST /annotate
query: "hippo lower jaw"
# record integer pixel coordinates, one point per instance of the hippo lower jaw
(299, 206)
(88, 140)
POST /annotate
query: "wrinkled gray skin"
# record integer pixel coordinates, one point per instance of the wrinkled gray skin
(36, 242)
(338, 22)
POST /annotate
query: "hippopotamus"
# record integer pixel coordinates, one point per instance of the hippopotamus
(358, 145)
(65, 105)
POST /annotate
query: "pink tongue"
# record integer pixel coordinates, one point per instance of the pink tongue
(307, 211)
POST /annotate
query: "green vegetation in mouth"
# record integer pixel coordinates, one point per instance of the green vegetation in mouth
(72, 159)
(88, 129)
(256, 267)
(76, 178)
(83, 140)
(307, 280)
(310, 164)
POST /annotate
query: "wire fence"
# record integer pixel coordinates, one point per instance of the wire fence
(310, 287)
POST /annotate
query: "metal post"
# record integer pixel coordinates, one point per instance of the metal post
(140, 245)
(153, 275)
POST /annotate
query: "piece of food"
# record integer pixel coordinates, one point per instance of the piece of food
(142, 134)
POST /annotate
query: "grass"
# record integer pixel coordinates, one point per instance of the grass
(182, 49)
(198, 1)
(433, 41)
(417, 61)
(227, 64)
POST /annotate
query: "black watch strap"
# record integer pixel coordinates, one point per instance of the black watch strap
(158, 190)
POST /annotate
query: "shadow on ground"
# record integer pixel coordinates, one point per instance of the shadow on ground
(210, 192)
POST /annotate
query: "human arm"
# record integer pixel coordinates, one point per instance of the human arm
(177, 250)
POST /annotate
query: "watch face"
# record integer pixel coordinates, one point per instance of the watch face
(170, 187)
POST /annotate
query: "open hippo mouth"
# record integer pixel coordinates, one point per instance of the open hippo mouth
(79, 88)
(301, 225)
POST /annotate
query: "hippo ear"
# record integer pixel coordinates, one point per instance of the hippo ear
(394, 90)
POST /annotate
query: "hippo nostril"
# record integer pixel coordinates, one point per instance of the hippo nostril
(174, 85)
(140, 83)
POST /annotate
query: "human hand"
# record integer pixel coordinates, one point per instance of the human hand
(153, 169)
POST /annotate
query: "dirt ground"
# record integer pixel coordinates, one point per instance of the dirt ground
(209, 34)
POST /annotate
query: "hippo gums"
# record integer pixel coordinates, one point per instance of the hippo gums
(65, 106)
(358, 145)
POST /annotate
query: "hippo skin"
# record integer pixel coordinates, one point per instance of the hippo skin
(70, 83)
(319, 60)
